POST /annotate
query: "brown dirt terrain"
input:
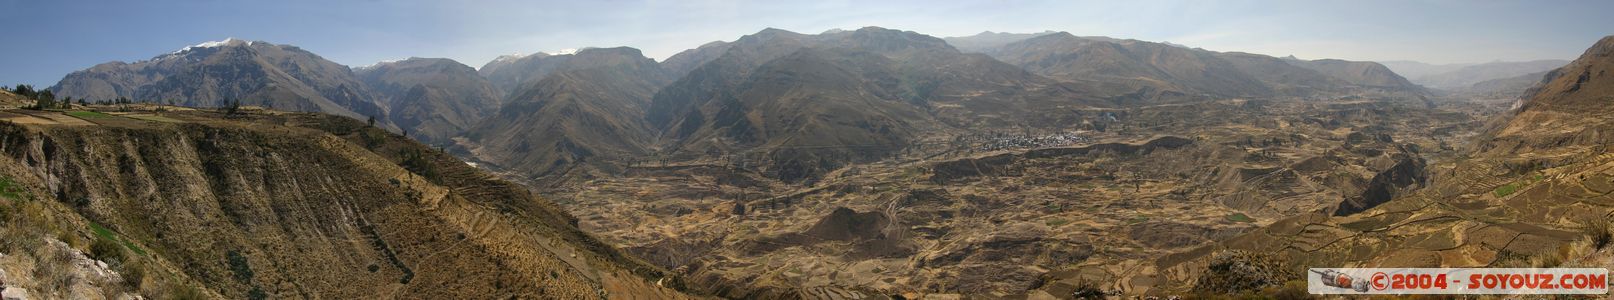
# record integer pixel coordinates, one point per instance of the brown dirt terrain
(987, 220)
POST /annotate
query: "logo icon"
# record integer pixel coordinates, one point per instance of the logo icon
(1334, 278)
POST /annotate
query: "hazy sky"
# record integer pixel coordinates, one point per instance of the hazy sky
(45, 40)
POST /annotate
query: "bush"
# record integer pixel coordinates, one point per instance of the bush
(108, 251)
(417, 162)
(1233, 272)
(179, 291)
(1086, 289)
(133, 273)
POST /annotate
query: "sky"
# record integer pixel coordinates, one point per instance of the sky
(45, 40)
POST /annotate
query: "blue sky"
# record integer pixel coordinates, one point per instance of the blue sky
(48, 39)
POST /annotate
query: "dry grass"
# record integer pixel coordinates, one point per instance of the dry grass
(1600, 232)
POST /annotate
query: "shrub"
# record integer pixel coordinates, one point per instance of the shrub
(1505, 190)
(239, 266)
(108, 251)
(417, 162)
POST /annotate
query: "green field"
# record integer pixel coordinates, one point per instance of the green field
(85, 114)
(1239, 217)
(155, 118)
(1138, 219)
(1056, 222)
(9, 189)
(1505, 190)
(104, 233)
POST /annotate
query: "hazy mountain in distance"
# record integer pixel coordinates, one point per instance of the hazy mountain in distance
(1414, 69)
(1503, 88)
(432, 98)
(591, 113)
(214, 73)
(1469, 75)
(988, 40)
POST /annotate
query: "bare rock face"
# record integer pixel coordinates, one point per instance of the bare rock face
(586, 113)
(14, 293)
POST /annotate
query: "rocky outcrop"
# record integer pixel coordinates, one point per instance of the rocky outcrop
(1003, 164)
(1407, 173)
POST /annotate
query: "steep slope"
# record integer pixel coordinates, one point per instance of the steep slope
(1470, 75)
(803, 104)
(508, 73)
(214, 73)
(310, 206)
(1567, 109)
(1533, 193)
(1360, 73)
(1121, 67)
(590, 114)
(687, 60)
(13, 100)
(432, 98)
(690, 91)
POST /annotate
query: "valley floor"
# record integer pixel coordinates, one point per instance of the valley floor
(1024, 212)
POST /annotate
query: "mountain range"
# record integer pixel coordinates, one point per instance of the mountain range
(214, 74)
(846, 163)
(789, 104)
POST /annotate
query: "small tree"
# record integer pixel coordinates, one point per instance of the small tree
(234, 108)
(371, 121)
(26, 91)
(42, 100)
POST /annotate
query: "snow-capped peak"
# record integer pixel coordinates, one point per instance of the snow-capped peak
(510, 57)
(566, 51)
(382, 62)
(212, 44)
